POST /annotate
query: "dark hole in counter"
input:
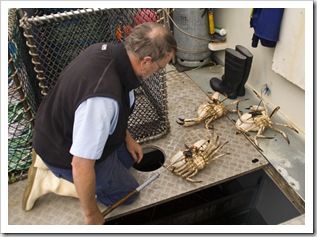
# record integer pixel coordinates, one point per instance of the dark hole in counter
(153, 159)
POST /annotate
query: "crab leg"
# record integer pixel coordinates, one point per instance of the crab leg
(219, 156)
(281, 132)
(238, 111)
(263, 101)
(286, 125)
(216, 149)
(180, 169)
(188, 122)
(192, 180)
(208, 121)
(189, 173)
(237, 101)
(183, 171)
(259, 135)
(275, 111)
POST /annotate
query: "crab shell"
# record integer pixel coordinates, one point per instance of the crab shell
(203, 109)
(215, 96)
(246, 121)
(177, 160)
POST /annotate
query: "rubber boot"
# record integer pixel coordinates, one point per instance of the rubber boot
(41, 181)
(234, 71)
(247, 68)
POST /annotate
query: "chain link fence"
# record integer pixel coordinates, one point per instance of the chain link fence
(41, 44)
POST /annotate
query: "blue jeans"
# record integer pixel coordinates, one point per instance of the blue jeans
(113, 179)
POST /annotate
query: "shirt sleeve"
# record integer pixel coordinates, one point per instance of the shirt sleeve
(95, 119)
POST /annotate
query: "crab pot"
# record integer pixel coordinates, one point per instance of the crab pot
(58, 39)
(153, 159)
(252, 199)
(54, 37)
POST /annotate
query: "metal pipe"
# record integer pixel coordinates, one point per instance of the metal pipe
(33, 51)
(132, 193)
(135, 191)
(40, 19)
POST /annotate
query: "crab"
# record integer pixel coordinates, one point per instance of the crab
(187, 163)
(258, 120)
(210, 111)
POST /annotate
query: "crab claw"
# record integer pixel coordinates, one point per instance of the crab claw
(215, 96)
(180, 121)
(255, 108)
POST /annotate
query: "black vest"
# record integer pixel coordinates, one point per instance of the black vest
(103, 69)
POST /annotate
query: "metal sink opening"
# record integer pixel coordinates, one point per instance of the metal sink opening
(153, 159)
(252, 199)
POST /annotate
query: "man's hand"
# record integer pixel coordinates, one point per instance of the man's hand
(134, 148)
(96, 219)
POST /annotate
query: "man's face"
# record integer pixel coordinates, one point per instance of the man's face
(148, 67)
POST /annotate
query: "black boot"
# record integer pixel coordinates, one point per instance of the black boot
(234, 71)
(247, 68)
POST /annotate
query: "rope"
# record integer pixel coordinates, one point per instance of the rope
(11, 17)
(19, 126)
(19, 140)
(186, 33)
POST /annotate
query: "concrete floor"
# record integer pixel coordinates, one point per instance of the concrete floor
(186, 91)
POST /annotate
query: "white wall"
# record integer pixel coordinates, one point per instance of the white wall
(284, 93)
(289, 54)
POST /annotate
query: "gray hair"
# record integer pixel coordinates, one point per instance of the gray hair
(150, 39)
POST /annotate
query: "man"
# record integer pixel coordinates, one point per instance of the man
(81, 126)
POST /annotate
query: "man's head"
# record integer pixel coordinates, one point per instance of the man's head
(150, 47)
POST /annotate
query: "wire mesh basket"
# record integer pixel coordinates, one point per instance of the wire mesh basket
(53, 37)
(22, 100)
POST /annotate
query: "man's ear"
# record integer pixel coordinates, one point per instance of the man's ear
(145, 61)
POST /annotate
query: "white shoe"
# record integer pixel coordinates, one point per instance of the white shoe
(41, 181)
